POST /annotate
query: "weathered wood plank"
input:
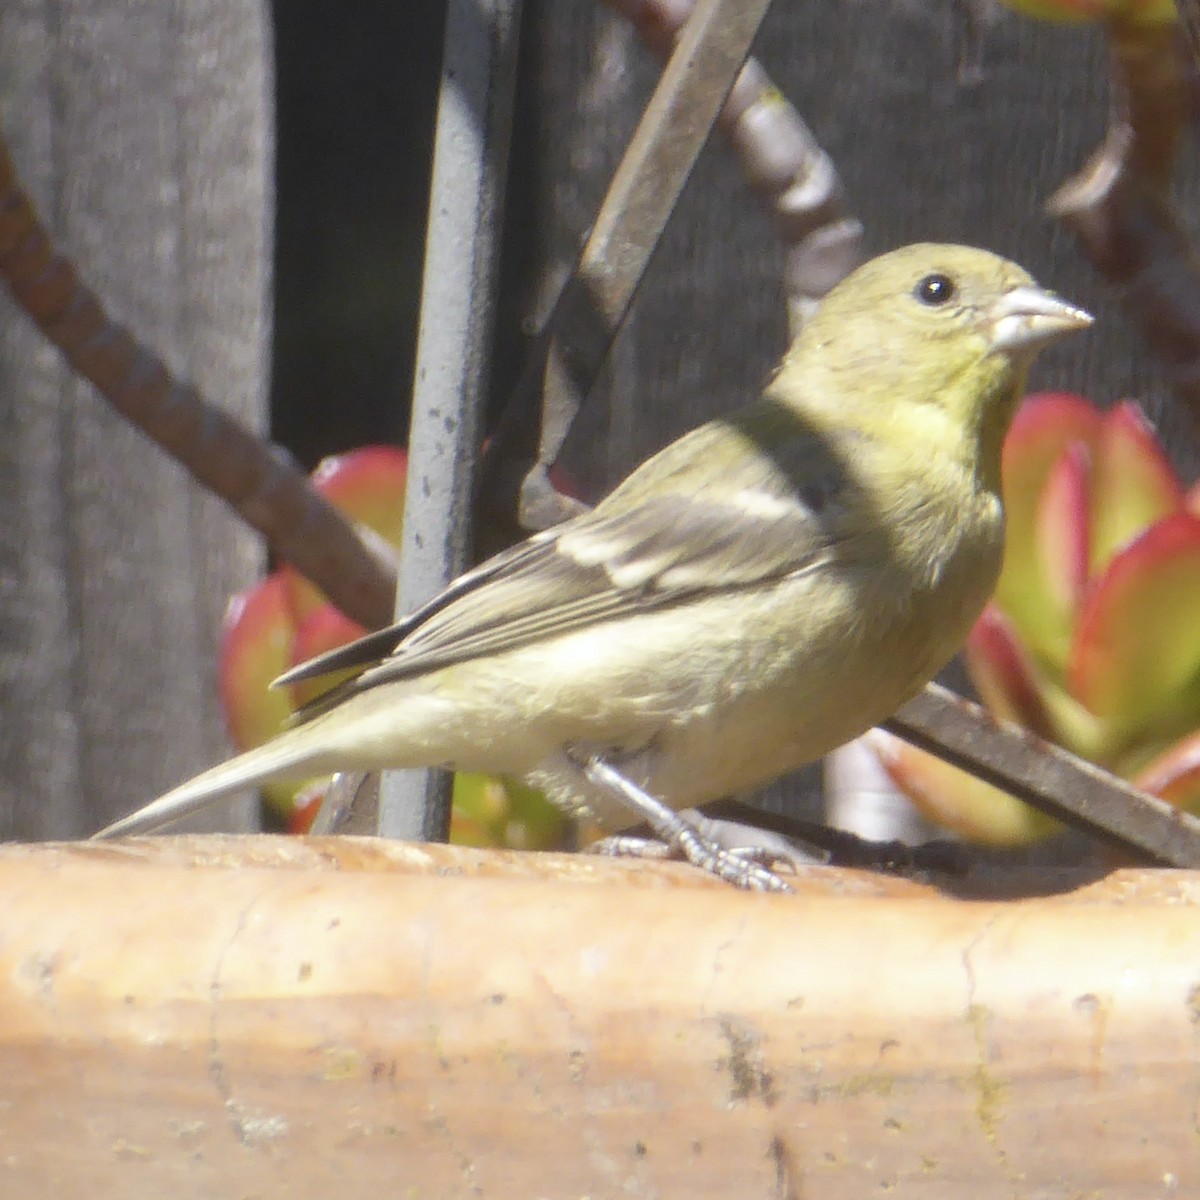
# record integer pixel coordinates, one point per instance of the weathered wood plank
(141, 130)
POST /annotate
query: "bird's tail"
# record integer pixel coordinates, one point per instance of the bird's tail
(284, 757)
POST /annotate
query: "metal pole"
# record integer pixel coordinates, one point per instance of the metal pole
(454, 343)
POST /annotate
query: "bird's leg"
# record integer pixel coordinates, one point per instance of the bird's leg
(677, 835)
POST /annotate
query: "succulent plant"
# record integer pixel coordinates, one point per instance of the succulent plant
(284, 620)
(368, 485)
(1093, 637)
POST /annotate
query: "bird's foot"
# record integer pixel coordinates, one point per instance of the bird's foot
(748, 867)
(751, 867)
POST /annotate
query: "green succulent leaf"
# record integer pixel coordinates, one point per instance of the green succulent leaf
(1046, 425)
(1134, 484)
(1062, 528)
(1136, 656)
(490, 811)
(1004, 675)
(1014, 688)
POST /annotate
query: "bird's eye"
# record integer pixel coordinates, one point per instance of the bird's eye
(935, 289)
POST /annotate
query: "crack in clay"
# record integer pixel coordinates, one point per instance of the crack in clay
(437, 1124)
(989, 1090)
(578, 1065)
(718, 954)
(250, 1129)
(726, 945)
(579, 1043)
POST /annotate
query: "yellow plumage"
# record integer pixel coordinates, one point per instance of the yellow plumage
(762, 590)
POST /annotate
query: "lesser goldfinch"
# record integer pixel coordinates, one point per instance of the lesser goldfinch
(764, 589)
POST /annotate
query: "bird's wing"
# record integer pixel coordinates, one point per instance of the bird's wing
(674, 530)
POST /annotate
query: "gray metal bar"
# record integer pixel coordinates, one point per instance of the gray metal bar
(471, 143)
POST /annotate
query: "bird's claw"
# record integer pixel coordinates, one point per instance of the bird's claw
(678, 835)
(747, 867)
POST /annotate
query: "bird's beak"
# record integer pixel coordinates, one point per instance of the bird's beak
(1027, 320)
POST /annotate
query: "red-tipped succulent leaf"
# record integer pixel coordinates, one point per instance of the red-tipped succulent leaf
(1045, 426)
(1093, 639)
(1004, 675)
(1134, 483)
(299, 816)
(368, 486)
(255, 648)
(1192, 499)
(1061, 534)
(1136, 654)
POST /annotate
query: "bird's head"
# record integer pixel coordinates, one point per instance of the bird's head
(946, 329)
